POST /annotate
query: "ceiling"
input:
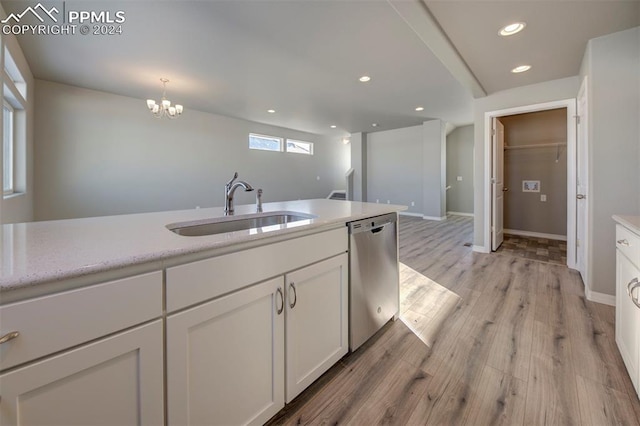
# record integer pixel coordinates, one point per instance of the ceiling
(303, 58)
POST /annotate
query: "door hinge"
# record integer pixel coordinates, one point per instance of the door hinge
(493, 132)
(577, 117)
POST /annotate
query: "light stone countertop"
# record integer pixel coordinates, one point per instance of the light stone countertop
(631, 222)
(37, 253)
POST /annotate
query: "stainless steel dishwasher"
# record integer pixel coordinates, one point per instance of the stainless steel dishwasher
(374, 276)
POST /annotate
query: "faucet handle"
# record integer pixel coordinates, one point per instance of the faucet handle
(259, 201)
(235, 176)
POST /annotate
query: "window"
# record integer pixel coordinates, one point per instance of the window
(14, 127)
(265, 143)
(299, 147)
(8, 149)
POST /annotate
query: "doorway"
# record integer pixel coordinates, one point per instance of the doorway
(529, 190)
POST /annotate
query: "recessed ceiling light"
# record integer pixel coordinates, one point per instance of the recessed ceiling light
(521, 68)
(271, 111)
(333, 126)
(419, 108)
(512, 29)
(365, 78)
(375, 124)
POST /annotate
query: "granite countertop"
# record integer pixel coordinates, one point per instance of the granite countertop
(631, 222)
(40, 252)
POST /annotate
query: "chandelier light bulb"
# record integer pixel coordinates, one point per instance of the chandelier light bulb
(164, 108)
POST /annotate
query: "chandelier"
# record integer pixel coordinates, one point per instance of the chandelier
(164, 108)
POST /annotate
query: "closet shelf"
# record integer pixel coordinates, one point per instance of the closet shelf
(538, 145)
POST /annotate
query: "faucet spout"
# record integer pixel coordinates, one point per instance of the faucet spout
(230, 189)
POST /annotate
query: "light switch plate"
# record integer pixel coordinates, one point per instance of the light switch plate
(543, 197)
(459, 178)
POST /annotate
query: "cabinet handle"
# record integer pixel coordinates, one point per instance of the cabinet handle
(281, 308)
(292, 286)
(623, 242)
(633, 284)
(9, 336)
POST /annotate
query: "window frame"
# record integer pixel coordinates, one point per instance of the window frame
(8, 158)
(281, 142)
(297, 141)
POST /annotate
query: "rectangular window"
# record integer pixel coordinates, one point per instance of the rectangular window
(8, 149)
(265, 143)
(299, 147)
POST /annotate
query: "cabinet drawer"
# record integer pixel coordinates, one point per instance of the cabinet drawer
(199, 281)
(52, 323)
(629, 244)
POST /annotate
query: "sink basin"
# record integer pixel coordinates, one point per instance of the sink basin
(262, 223)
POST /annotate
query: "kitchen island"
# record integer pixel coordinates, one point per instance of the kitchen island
(120, 318)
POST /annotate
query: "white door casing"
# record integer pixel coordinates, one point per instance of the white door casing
(570, 105)
(497, 184)
(582, 183)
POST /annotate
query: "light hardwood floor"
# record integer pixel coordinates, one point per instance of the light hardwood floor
(521, 345)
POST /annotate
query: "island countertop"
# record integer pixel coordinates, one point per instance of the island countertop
(36, 253)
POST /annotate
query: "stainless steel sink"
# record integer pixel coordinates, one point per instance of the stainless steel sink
(263, 223)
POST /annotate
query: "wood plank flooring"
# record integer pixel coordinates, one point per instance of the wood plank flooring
(515, 343)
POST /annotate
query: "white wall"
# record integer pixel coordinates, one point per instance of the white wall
(612, 65)
(549, 91)
(460, 163)
(103, 154)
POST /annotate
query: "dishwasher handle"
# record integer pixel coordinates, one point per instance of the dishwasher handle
(378, 229)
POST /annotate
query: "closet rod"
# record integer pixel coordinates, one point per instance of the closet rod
(539, 145)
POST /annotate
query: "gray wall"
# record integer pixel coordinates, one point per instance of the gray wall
(554, 90)
(612, 66)
(434, 169)
(358, 151)
(460, 163)
(524, 211)
(102, 154)
(406, 166)
(394, 167)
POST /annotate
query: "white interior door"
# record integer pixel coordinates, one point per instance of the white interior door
(497, 184)
(582, 183)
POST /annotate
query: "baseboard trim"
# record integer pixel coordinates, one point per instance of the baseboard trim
(410, 214)
(434, 217)
(536, 234)
(481, 249)
(605, 299)
(461, 214)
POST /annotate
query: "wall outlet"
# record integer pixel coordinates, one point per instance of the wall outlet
(543, 197)
(317, 177)
(459, 178)
(377, 201)
(388, 202)
(413, 204)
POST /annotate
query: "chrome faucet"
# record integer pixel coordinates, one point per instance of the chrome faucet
(229, 190)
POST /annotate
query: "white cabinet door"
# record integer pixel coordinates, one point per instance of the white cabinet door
(628, 319)
(225, 359)
(316, 321)
(114, 381)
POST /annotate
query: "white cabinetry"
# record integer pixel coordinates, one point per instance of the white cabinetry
(628, 301)
(316, 321)
(225, 359)
(230, 358)
(117, 379)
